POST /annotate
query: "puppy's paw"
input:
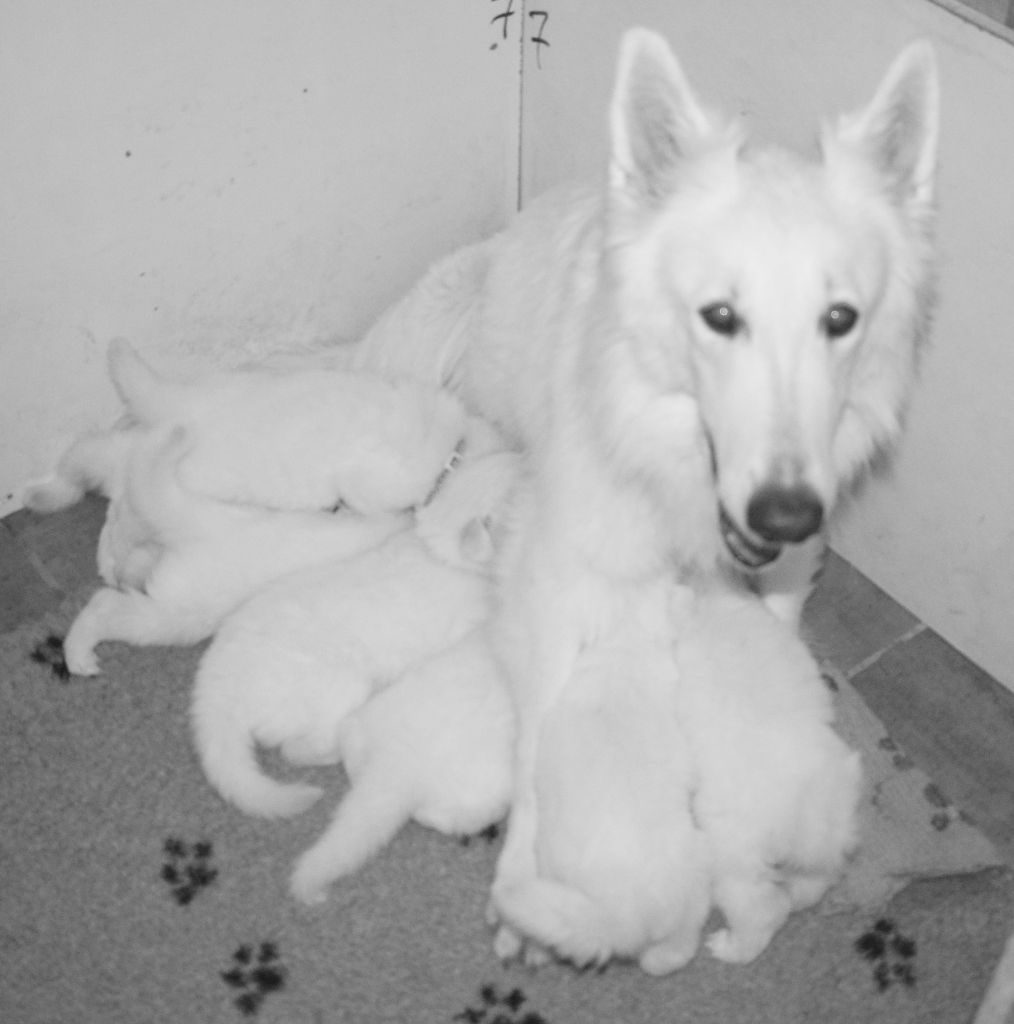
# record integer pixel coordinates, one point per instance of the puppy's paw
(507, 943)
(80, 657)
(307, 887)
(730, 948)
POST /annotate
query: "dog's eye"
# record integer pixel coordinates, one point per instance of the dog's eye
(839, 320)
(722, 319)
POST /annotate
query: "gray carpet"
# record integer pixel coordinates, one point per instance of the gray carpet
(130, 893)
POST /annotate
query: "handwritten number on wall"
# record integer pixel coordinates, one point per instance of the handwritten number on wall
(502, 25)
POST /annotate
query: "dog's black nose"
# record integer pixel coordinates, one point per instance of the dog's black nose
(785, 514)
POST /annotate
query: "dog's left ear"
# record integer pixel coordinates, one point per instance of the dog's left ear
(656, 121)
(898, 131)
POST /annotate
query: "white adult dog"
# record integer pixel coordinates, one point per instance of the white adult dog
(700, 358)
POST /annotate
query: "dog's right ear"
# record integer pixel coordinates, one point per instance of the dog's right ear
(656, 121)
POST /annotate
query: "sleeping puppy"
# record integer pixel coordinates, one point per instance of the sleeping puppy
(621, 869)
(209, 555)
(306, 439)
(435, 746)
(288, 666)
(777, 789)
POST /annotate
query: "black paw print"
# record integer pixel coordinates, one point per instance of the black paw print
(187, 868)
(891, 953)
(495, 1007)
(490, 834)
(256, 972)
(50, 652)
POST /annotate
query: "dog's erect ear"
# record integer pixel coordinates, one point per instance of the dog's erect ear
(655, 119)
(898, 131)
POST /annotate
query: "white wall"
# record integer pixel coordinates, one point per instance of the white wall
(938, 534)
(211, 178)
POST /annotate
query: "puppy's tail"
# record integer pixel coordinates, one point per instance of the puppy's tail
(370, 815)
(226, 751)
(92, 463)
(556, 917)
(149, 397)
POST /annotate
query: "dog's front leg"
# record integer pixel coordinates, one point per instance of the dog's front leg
(539, 637)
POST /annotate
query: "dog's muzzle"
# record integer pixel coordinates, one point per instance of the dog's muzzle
(776, 515)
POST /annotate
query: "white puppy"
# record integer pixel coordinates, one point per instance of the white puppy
(777, 790)
(211, 555)
(298, 657)
(435, 746)
(282, 437)
(300, 439)
(620, 869)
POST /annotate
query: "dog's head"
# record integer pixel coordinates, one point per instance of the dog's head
(788, 297)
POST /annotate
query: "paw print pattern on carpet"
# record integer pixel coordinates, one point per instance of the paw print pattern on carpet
(891, 953)
(495, 1007)
(50, 652)
(255, 973)
(942, 813)
(187, 868)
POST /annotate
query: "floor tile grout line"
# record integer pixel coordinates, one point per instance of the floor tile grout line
(872, 659)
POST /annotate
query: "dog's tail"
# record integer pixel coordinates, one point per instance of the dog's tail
(226, 751)
(370, 815)
(149, 397)
(557, 917)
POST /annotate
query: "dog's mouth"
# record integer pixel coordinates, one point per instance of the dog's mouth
(752, 554)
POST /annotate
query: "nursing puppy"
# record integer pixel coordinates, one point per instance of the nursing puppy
(435, 747)
(619, 867)
(299, 439)
(289, 666)
(777, 790)
(209, 555)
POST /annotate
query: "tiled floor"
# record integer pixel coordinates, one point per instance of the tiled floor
(955, 721)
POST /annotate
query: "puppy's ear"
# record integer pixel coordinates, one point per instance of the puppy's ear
(656, 121)
(897, 133)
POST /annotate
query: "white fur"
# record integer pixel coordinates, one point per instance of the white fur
(586, 314)
(997, 1006)
(778, 790)
(435, 747)
(99, 462)
(287, 667)
(211, 555)
(299, 439)
(621, 869)
(658, 442)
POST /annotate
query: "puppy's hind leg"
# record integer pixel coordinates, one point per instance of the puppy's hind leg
(130, 617)
(369, 816)
(556, 917)
(755, 907)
